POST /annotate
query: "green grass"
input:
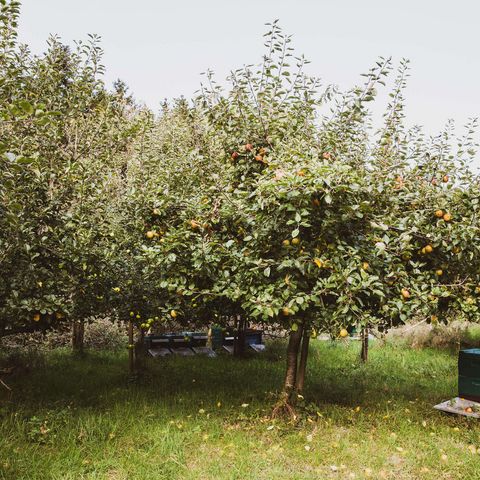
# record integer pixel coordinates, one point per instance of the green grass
(82, 419)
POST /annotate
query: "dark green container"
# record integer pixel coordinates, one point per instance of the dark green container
(469, 374)
(217, 337)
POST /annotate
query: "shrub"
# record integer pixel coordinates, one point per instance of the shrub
(100, 334)
(455, 334)
(103, 334)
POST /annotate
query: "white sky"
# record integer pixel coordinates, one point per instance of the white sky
(159, 47)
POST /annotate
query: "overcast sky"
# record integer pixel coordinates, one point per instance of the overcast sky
(159, 47)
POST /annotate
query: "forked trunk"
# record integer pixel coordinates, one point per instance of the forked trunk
(302, 366)
(284, 405)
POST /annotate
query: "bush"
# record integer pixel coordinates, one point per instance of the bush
(103, 334)
(100, 334)
(456, 334)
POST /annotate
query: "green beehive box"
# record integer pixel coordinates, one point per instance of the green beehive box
(217, 337)
(469, 374)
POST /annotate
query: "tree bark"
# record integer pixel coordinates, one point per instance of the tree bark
(78, 335)
(239, 339)
(364, 352)
(140, 351)
(303, 362)
(131, 349)
(235, 336)
(292, 360)
(284, 405)
(242, 336)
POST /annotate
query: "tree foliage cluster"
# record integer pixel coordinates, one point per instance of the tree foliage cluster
(272, 198)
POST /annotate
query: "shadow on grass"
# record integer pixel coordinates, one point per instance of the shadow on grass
(335, 375)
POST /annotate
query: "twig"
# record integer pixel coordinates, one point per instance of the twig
(414, 326)
(5, 385)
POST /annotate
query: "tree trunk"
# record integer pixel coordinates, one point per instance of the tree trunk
(242, 336)
(131, 349)
(292, 360)
(235, 336)
(140, 351)
(303, 361)
(284, 405)
(239, 339)
(364, 352)
(78, 334)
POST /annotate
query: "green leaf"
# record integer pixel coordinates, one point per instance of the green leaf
(24, 160)
(27, 107)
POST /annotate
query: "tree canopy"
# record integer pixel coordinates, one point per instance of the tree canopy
(273, 198)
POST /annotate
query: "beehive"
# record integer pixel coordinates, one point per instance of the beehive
(469, 374)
